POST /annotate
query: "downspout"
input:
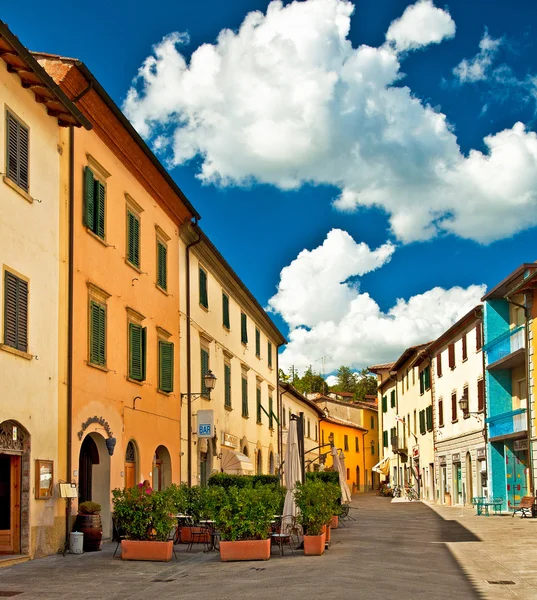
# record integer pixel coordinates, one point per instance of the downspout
(279, 409)
(397, 425)
(189, 355)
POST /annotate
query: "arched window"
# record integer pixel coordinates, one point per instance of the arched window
(130, 465)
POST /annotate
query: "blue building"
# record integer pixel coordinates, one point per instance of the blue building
(506, 382)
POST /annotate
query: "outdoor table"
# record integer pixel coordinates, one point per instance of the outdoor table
(182, 520)
(209, 524)
(483, 505)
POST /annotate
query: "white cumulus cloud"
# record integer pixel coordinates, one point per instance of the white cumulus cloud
(353, 330)
(287, 100)
(420, 25)
(477, 68)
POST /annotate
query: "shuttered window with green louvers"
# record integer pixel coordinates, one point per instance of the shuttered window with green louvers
(204, 371)
(15, 312)
(165, 380)
(227, 386)
(269, 354)
(429, 417)
(94, 203)
(271, 413)
(18, 152)
(137, 351)
(225, 310)
(204, 299)
(244, 329)
(258, 405)
(162, 266)
(133, 239)
(257, 343)
(422, 422)
(244, 397)
(384, 404)
(97, 334)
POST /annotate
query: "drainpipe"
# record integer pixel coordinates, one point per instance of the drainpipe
(279, 409)
(189, 355)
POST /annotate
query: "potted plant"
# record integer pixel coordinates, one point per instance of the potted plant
(146, 518)
(243, 516)
(315, 501)
(191, 502)
(88, 522)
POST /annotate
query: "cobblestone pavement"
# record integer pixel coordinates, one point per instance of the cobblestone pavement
(406, 551)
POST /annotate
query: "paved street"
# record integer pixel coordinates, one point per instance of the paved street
(390, 551)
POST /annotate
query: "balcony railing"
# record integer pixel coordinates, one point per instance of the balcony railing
(506, 344)
(507, 423)
(399, 445)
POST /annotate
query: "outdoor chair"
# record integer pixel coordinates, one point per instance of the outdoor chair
(201, 534)
(345, 513)
(288, 533)
(525, 507)
(118, 535)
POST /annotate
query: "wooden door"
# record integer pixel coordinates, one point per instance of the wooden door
(10, 510)
(130, 474)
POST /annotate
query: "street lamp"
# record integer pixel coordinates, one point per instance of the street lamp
(209, 381)
(463, 403)
(331, 439)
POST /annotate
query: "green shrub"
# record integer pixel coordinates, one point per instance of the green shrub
(325, 476)
(315, 501)
(89, 508)
(227, 480)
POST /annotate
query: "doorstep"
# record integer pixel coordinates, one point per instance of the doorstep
(8, 560)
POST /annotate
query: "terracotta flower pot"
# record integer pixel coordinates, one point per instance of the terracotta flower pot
(335, 522)
(146, 550)
(314, 544)
(245, 550)
(92, 528)
(186, 535)
(328, 532)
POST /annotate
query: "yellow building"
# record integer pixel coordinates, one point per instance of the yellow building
(348, 437)
(227, 332)
(33, 286)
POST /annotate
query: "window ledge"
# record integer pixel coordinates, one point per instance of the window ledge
(97, 237)
(18, 189)
(135, 381)
(464, 359)
(226, 329)
(16, 352)
(228, 408)
(245, 416)
(158, 391)
(98, 367)
(204, 308)
(133, 266)
(166, 293)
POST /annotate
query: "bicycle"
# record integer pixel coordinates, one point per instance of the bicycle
(411, 494)
(396, 491)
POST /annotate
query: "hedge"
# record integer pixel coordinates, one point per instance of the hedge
(226, 480)
(325, 476)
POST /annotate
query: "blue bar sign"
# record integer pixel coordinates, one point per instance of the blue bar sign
(204, 429)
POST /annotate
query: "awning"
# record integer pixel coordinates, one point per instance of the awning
(236, 463)
(382, 467)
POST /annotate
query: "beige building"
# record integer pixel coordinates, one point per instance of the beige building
(225, 331)
(34, 156)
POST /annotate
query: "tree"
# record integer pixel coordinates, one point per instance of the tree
(311, 383)
(346, 380)
(366, 385)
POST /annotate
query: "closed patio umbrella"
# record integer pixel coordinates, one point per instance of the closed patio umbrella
(339, 466)
(292, 470)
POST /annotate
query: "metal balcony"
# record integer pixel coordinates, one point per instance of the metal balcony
(508, 350)
(508, 424)
(399, 445)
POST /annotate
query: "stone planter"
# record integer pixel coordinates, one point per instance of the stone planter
(146, 550)
(335, 522)
(314, 544)
(327, 533)
(245, 550)
(92, 528)
(186, 535)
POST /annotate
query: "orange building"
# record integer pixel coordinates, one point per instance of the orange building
(126, 212)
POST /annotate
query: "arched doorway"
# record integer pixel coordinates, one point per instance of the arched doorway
(469, 479)
(271, 463)
(357, 479)
(162, 469)
(14, 488)
(259, 462)
(94, 476)
(131, 465)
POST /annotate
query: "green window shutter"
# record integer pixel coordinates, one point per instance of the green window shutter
(427, 376)
(429, 414)
(227, 385)
(15, 312)
(97, 334)
(384, 404)
(204, 301)
(385, 439)
(225, 310)
(133, 239)
(257, 342)
(204, 370)
(244, 329)
(162, 266)
(144, 353)
(392, 403)
(422, 382)
(99, 209)
(269, 354)
(135, 352)
(244, 397)
(165, 366)
(422, 421)
(17, 152)
(89, 199)
(258, 405)
(271, 417)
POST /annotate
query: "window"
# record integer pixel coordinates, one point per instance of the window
(425, 380)
(422, 383)
(480, 395)
(94, 203)
(464, 348)
(451, 355)
(348, 474)
(439, 365)
(133, 238)
(258, 405)
(466, 413)
(244, 395)
(415, 423)
(97, 334)
(162, 265)
(309, 429)
(385, 439)
(478, 336)
(244, 329)
(392, 399)
(204, 299)
(454, 407)
(393, 436)
(384, 404)
(284, 417)
(227, 385)
(440, 412)
(17, 152)
(137, 351)
(422, 422)
(165, 366)
(269, 354)
(257, 343)
(204, 362)
(316, 432)
(408, 423)
(372, 448)
(356, 445)
(346, 443)
(372, 422)
(15, 312)
(271, 415)
(322, 438)
(429, 417)
(225, 310)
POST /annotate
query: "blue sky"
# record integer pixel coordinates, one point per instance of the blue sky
(451, 231)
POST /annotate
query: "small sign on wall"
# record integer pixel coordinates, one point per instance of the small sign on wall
(44, 473)
(520, 445)
(205, 423)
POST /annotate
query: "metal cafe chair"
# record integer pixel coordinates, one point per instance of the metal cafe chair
(285, 532)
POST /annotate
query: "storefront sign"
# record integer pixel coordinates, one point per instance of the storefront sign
(231, 441)
(520, 445)
(416, 452)
(205, 423)
(442, 460)
(481, 453)
(456, 458)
